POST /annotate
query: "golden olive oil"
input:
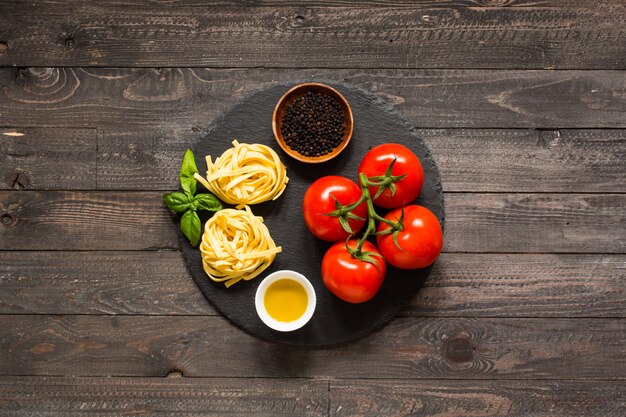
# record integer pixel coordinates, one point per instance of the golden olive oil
(286, 300)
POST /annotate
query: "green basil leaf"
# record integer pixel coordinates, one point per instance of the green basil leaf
(190, 226)
(207, 202)
(187, 169)
(177, 202)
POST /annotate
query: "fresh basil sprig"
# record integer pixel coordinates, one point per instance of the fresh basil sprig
(188, 203)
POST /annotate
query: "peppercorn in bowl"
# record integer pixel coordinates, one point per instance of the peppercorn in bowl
(312, 122)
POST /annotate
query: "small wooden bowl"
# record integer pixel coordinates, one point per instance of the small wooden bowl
(289, 97)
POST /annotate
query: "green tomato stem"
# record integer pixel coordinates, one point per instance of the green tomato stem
(371, 213)
(372, 216)
(353, 206)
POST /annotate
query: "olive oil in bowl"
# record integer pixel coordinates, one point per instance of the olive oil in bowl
(285, 301)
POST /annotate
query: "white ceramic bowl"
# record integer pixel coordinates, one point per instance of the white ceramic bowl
(284, 326)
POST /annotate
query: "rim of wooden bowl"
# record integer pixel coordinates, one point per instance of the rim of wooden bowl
(289, 97)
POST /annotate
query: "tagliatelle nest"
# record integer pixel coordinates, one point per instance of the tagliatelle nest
(236, 245)
(245, 174)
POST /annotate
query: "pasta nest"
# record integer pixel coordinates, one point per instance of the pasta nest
(236, 245)
(245, 174)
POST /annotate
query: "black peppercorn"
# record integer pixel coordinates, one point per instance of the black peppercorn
(313, 124)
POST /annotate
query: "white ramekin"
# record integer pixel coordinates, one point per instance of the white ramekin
(283, 326)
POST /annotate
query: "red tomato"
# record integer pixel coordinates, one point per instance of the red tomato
(318, 202)
(376, 162)
(421, 240)
(351, 279)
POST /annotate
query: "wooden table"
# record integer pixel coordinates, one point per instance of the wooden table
(523, 104)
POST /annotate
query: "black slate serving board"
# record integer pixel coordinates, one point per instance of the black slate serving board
(334, 321)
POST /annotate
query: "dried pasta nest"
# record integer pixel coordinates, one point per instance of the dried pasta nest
(245, 174)
(236, 245)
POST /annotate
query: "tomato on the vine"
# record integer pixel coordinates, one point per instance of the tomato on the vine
(420, 240)
(352, 279)
(320, 200)
(376, 163)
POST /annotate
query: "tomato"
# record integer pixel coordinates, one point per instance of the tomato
(421, 240)
(318, 202)
(376, 162)
(351, 279)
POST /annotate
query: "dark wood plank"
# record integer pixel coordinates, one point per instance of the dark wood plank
(387, 37)
(454, 348)
(413, 4)
(576, 223)
(185, 397)
(193, 98)
(535, 223)
(530, 160)
(84, 221)
(138, 159)
(157, 283)
(98, 283)
(188, 397)
(484, 160)
(47, 158)
(475, 285)
(365, 398)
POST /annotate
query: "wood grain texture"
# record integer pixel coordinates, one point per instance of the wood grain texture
(191, 397)
(454, 348)
(485, 160)
(161, 397)
(60, 220)
(529, 160)
(576, 223)
(193, 98)
(157, 283)
(339, 37)
(47, 158)
(413, 4)
(474, 285)
(397, 398)
(98, 283)
(582, 223)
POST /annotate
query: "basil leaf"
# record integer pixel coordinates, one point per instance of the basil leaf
(207, 202)
(187, 169)
(190, 225)
(177, 201)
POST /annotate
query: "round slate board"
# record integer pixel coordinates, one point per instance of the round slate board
(334, 321)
